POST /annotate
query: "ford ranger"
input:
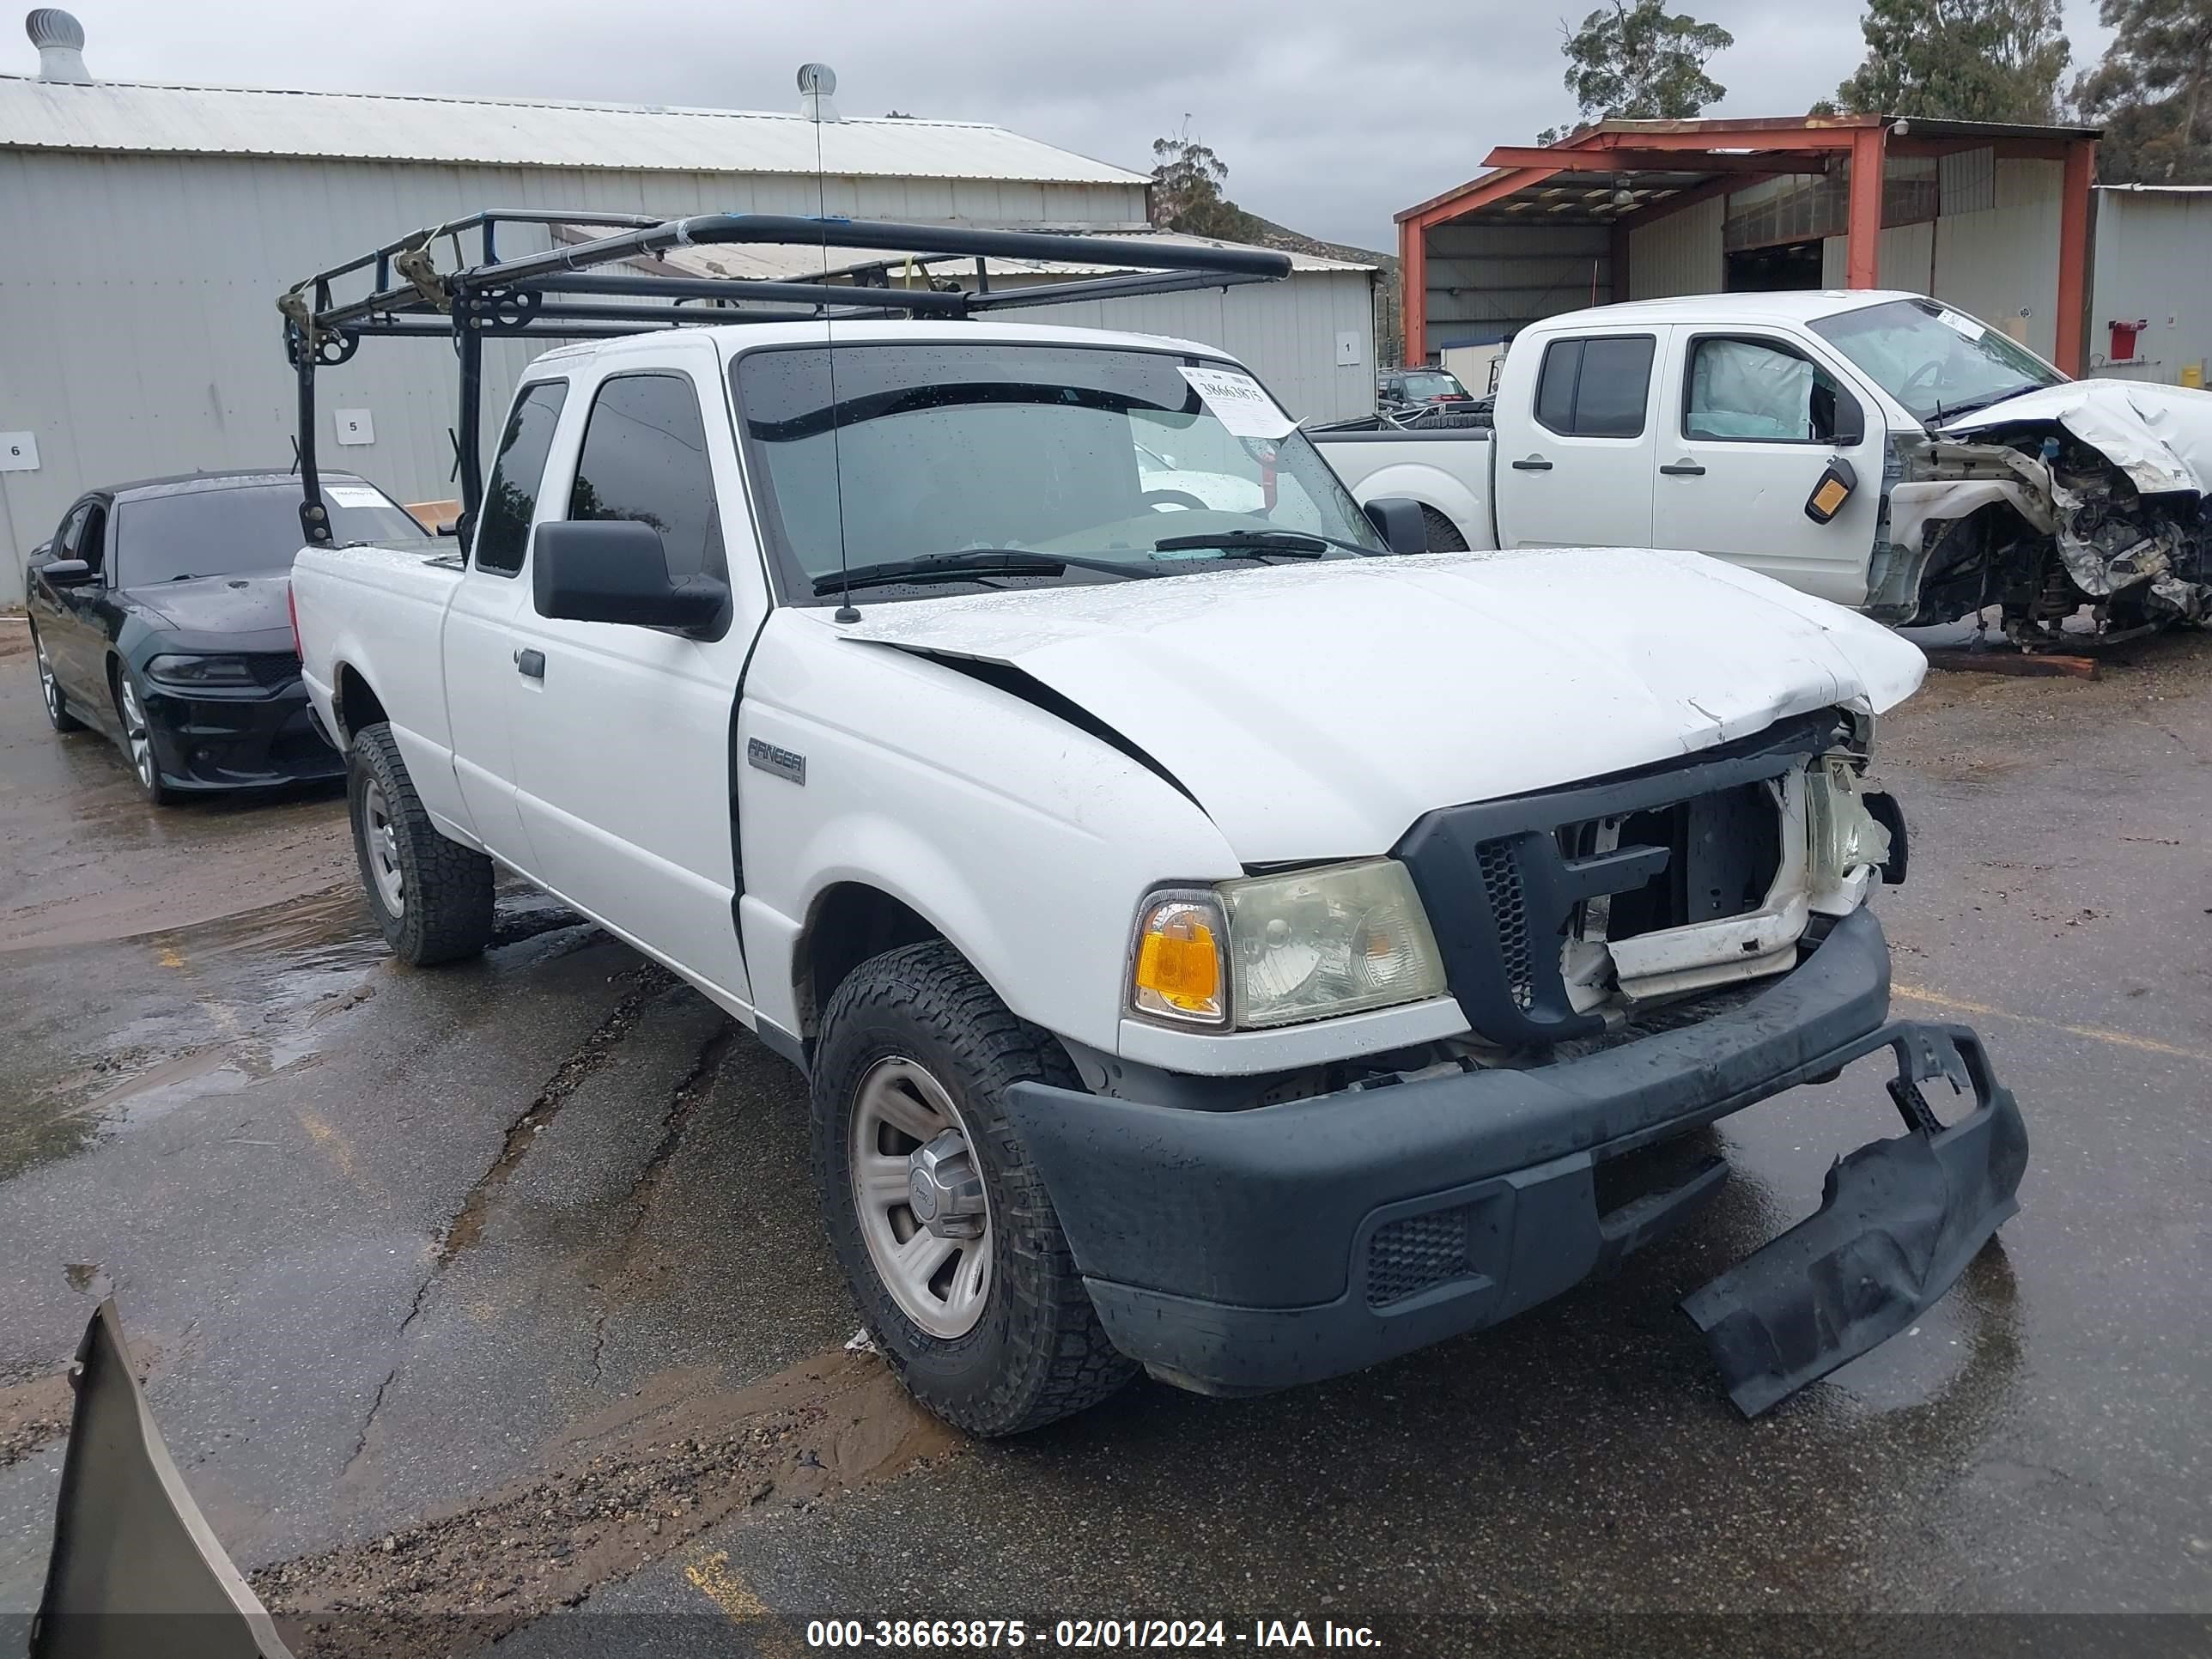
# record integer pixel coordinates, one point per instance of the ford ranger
(1220, 939)
(1882, 450)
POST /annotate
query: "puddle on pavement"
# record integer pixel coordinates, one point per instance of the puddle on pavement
(633, 1482)
(240, 1000)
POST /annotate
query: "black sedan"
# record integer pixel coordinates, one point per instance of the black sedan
(161, 616)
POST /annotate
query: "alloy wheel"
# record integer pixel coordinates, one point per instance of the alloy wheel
(48, 688)
(136, 734)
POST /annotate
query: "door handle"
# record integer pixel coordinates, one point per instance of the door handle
(1683, 470)
(531, 665)
(1533, 464)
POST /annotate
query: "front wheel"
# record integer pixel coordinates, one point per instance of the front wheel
(138, 739)
(942, 1224)
(431, 896)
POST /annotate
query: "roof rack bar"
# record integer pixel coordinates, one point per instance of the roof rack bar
(497, 298)
(713, 228)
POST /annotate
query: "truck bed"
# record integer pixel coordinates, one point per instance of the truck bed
(1447, 470)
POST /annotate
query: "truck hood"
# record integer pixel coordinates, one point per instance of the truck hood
(2160, 435)
(1315, 710)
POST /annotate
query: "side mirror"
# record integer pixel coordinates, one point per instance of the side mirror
(1398, 520)
(448, 527)
(615, 570)
(67, 573)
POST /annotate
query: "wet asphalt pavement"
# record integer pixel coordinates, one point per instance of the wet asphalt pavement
(502, 1286)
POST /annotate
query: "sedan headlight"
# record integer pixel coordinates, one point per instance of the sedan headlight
(201, 671)
(1278, 949)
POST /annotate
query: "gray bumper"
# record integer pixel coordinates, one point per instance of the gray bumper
(1234, 1252)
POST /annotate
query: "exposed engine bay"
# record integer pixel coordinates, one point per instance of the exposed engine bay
(2095, 493)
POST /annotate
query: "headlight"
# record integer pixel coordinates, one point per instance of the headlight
(1841, 834)
(201, 671)
(1305, 945)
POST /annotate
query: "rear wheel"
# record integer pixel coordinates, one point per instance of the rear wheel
(49, 690)
(431, 896)
(138, 739)
(1444, 534)
(943, 1226)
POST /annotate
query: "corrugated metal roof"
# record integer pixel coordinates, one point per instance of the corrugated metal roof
(804, 260)
(144, 118)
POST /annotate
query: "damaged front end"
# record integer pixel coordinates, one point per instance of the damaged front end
(2095, 493)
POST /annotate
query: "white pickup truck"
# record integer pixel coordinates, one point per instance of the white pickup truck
(1881, 450)
(1217, 941)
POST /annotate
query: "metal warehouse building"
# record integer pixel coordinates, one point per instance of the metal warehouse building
(1993, 218)
(149, 229)
(2150, 288)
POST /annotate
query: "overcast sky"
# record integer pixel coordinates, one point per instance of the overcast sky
(1330, 115)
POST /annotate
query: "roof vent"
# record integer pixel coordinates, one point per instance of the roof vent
(60, 40)
(817, 82)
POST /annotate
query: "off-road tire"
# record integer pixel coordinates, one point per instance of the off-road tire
(445, 913)
(51, 695)
(1444, 534)
(1038, 1352)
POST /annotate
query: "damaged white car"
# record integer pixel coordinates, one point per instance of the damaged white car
(1219, 938)
(1884, 451)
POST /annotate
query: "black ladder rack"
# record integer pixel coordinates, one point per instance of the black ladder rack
(487, 296)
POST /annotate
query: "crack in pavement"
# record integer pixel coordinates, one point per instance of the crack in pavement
(648, 980)
(698, 1084)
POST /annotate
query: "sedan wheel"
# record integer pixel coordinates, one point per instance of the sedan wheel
(920, 1200)
(138, 739)
(49, 691)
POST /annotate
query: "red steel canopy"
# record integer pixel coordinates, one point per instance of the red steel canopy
(1626, 174)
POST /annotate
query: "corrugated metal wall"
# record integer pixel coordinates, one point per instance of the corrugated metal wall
(2153, 250)
(138, 328)
(1287, 333)
(1678, 254)
(2001, 263)
(1488, 279)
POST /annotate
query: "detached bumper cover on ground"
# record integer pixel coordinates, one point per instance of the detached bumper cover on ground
(1234, 1252)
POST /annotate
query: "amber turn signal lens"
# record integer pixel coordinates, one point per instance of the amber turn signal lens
(1178, 968)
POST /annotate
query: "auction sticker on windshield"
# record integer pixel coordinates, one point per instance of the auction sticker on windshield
(1239, 403)
(1960, 324)
(354, 494)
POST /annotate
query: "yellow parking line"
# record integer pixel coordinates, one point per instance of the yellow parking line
(711, 1577)
(2094, 1033)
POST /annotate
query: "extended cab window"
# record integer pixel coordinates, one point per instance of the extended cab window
(510, 499)
(645, 458)
(1595, 387)
(1759, 391)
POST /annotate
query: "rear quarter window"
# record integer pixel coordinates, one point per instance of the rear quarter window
(1595, 387)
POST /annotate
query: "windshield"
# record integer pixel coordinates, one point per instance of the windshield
(251, 530)
(1042, 448)
(1936, 361)
(1434, 383)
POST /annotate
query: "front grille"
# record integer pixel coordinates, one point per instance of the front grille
(1509, 909)
(1505, 883)
(1416, 1254)
(273, 668)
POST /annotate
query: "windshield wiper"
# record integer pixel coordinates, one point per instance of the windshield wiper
(972, 561)
(1971, 404)
(1290, 543)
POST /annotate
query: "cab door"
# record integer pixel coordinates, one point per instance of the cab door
(1756, 423)
(623, 733)
(1575, 441)
(481, 644)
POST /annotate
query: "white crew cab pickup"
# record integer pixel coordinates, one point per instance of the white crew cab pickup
(1882, 450)
(1216, 942)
